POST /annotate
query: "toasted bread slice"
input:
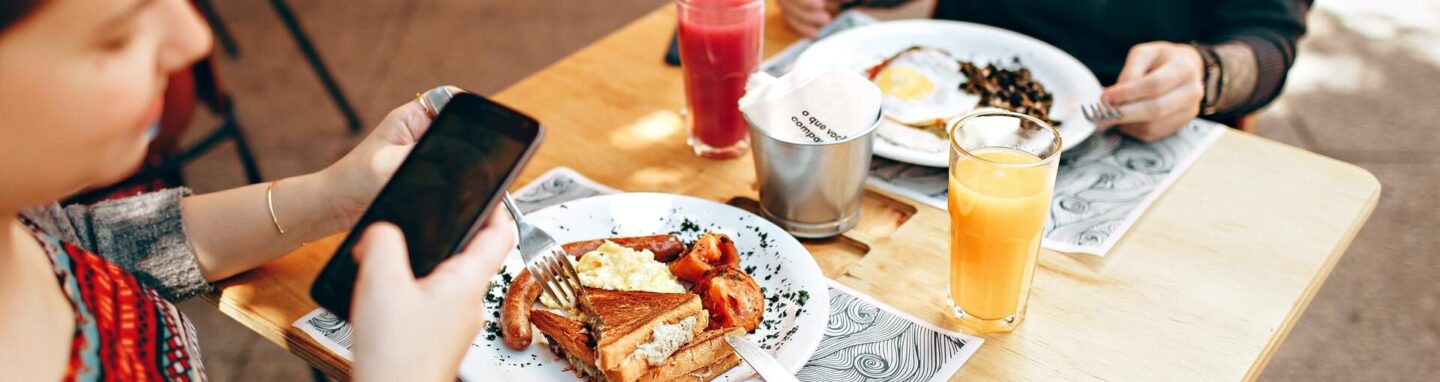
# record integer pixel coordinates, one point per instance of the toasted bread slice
(567, 333)
(709, 372)
(613, 314)
(570, 339)
(624, 320)
(618, 341)
(697, 359)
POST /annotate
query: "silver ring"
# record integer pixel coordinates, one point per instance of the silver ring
(434, 100)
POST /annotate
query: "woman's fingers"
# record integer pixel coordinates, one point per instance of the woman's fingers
(410, 121)
(404, 125)
(473, 267)
(498, 219)
(382, 255)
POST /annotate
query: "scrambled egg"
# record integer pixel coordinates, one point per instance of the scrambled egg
(615, 267)
(619, 268)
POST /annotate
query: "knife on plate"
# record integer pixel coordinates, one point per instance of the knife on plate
(758, 359)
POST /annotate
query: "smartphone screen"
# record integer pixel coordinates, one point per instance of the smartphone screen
(442, 191)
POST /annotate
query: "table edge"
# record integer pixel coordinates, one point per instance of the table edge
(1317, 281)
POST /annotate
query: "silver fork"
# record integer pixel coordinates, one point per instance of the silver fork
(546, 260)
(1100, 111)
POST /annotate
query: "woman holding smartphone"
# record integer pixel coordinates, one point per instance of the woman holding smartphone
(86, 291)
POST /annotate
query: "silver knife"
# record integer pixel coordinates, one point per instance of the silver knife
(758, 359)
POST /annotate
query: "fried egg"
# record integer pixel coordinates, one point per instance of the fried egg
(921, 86)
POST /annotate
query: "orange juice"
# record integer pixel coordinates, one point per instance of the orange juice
(999, 202)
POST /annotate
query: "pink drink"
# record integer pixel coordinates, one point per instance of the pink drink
(719, 48)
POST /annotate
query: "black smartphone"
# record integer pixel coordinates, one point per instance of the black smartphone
(442, 192)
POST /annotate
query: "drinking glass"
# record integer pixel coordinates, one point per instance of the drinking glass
(719, 48)
(1002, 175)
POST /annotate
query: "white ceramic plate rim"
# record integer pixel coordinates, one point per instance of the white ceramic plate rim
(1051, 66)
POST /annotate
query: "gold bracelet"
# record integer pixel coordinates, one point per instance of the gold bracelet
(270, 201)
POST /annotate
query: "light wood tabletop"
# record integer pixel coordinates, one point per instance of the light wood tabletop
(1205, 286)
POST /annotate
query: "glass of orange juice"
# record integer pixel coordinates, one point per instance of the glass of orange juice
(1002, 174)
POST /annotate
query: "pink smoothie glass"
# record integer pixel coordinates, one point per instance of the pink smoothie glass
(719, 48)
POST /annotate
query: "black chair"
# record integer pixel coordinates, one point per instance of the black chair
(297, 33)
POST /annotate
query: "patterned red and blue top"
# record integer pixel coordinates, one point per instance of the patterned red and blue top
(124, 329)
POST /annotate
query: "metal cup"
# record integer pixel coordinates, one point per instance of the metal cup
(812, 189)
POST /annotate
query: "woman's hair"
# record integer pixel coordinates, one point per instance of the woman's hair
(12, 11)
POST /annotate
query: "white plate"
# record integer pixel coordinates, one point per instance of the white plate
(782, 267)
(858, 49)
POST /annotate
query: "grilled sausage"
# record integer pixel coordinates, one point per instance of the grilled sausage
(665, 247)
(515, 310)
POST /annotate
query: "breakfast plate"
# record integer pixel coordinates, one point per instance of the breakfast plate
(859, 49)
(797, 300)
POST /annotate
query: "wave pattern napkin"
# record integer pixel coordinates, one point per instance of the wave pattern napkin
(864, 339)
(868, 341)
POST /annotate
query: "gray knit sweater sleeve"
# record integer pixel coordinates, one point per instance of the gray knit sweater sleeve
(143, 234)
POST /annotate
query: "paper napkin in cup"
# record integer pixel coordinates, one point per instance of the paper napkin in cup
(812, 106)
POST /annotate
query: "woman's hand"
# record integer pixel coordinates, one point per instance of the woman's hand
(358, 176)
(418, 330)
(807, 16)
(1158, 91)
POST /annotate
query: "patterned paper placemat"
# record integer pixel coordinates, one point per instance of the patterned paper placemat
(865, 340)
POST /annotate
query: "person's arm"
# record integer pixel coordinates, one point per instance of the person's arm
(177, 243)
(232, 231)
(1163, 86)
(1255, 47)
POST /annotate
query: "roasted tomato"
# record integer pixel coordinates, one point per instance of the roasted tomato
(711, 250)
(732, 298)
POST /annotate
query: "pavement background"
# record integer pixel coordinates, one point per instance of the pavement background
(1365, 89)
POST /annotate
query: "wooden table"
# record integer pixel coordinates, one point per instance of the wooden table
(1205, 286)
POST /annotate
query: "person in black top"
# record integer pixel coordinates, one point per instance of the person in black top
(1164, 62)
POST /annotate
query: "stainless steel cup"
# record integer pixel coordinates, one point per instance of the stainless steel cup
(812, 189)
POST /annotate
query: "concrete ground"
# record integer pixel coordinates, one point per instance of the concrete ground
(1363, 90)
